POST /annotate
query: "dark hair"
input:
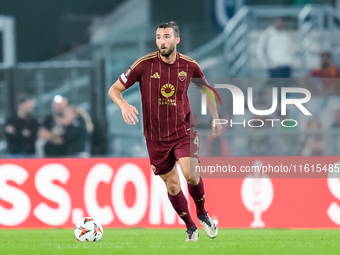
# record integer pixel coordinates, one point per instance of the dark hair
(22, 98)
(171, 24)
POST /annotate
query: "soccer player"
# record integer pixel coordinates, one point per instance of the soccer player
(164, 77)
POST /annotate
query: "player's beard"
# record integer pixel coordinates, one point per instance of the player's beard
(168, 52)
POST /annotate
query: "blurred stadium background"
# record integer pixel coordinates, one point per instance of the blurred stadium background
(77, 49)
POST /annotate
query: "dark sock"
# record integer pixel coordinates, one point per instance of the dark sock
(197, 193)
(180, 204)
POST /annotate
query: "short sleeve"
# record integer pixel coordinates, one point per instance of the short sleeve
(198, 76)
(130, 76)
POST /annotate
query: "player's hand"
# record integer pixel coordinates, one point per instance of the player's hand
(129, 114)
(216, 130)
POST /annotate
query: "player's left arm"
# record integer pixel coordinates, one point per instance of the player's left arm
(200, 81)
(216, 128)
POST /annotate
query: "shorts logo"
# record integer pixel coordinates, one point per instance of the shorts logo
(182, 75)
(153, 168)
(168, 90)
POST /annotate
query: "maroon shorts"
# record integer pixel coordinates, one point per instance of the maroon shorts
(163, 154)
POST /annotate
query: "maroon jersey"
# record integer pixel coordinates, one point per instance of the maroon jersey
(166, 108)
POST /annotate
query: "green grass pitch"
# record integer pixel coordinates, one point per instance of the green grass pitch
(171, 241)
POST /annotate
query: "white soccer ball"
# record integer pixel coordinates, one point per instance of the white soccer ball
(88, 230)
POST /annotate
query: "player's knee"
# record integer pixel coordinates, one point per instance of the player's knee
(173, 188)
(188, 177)
(192, 180)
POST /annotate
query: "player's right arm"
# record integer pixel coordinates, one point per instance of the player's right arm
(128, 111)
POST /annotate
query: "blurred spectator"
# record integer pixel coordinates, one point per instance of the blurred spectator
(335, 134)
(260, 143)
(89, 129)
(21, 129)
(312, 143)
(53, 129)
(275, 50)
(325, 85)
(288, 137)
(336, 123)
(87, 119)
(75, 135)
(99, 139)
(216, 147)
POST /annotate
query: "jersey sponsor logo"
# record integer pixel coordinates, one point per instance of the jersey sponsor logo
(167, 101)
(168, 90)
(182, 76)
(155, 75)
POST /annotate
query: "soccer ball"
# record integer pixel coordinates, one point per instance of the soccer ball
(88, 230)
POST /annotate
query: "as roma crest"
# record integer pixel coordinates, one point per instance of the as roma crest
(182, 76)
